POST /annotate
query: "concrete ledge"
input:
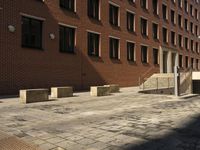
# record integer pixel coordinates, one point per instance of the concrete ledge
(99, 91)
(166, 91)
(33, 95)
(60, 92)
(113, 88)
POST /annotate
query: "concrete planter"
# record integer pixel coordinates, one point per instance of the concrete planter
(113, 88)
(33, 95)
(99, 91)
(61, 92)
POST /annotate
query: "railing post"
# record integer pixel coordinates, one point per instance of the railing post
(143, 85)
(157, 83)
(176, 81)
(168, 82)
(139, 82)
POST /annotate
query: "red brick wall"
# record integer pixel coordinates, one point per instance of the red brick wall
(22, 68)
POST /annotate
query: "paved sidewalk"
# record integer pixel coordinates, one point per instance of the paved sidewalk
(122, 121)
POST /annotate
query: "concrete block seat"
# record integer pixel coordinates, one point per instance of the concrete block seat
(61, 92)
(113, 88)
(33, 95)
(99, 91)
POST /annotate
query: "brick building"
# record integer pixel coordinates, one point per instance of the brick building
(45, 43)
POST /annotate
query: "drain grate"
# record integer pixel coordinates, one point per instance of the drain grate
(12, 143)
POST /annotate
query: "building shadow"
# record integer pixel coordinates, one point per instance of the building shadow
(186, 137)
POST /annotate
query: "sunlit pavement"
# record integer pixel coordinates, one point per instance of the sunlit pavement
(122, 121)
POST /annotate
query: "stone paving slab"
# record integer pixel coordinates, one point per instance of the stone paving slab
(122, 121)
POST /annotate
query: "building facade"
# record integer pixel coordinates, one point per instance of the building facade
(80, 43)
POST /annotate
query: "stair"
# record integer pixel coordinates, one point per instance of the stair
(159, 81)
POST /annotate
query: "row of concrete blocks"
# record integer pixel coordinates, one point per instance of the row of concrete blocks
(40, 95)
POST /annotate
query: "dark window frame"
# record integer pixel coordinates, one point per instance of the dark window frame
(114, 48)
(130, 21)
(94, 9)
(144, 54)
(155, 56)
(64, 35)
(144, 4)
(68, 5)
(93, 44)
(28, 33)
(155, 31)
(114, 15)
(144, 26)
(131, 51)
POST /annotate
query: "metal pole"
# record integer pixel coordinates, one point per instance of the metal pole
(176, 81)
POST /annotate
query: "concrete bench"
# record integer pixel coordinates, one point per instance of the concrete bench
(60, 92)
(33, 95)
(113, 88)
(99, 91)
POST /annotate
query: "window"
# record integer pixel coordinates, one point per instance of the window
(179, 20)
(191, 28)
(180, 3)
(165, 35)
(130, 21)
(144, 54)
(196, 30)
(191, 10)
(173, 16)
(155, 56)
(186, 24)
(164, 12)
(114, 48)
(143, 4)
(197, 64)
(197, 47)
(192, 45)
(186, 43)
(114, 15)
(192, 63)
(93, 9)
(186, 62)
(31, 33)
(196, 14)
(130, 51)
(180, 61)
(132, 1)
(173, 38)
(173, 1)
(155, 6)
(155, 31)
(186, 6)
(93, 44)
(67, 39)
(68, 4)
(143, 26)
(180, 40)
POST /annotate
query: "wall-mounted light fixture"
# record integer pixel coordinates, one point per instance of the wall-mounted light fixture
(11, 28)
(52, 36)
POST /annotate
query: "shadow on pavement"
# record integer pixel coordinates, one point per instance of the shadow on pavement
(183, 138)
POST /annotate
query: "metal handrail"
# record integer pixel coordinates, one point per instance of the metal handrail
(142, 77)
